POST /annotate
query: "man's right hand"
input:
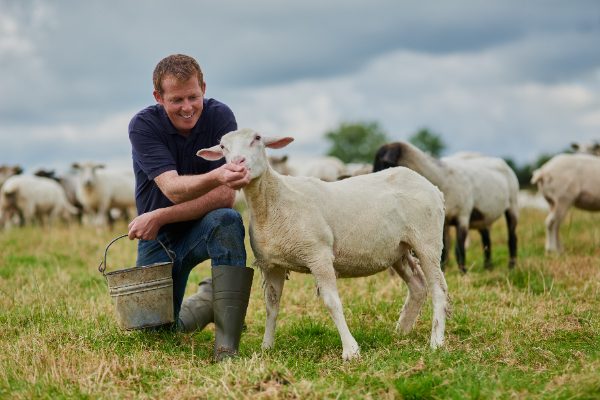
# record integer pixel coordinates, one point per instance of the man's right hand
(235, 176)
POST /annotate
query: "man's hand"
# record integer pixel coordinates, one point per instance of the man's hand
(235, 176)
(145, 226)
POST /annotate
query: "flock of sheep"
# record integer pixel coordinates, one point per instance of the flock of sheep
(88, 192)
(397, 218)
(394, 214)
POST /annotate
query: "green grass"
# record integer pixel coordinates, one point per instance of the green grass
(533, 332)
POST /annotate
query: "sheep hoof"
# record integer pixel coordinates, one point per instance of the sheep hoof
(436, 343)
(350, 354)
(462, 269)
(267, 346)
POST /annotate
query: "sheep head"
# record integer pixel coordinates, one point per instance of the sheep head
(245, 146)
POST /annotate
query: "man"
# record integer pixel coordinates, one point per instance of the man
(185, 201)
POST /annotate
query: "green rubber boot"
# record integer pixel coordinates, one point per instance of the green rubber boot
(197, 310)
(231, 292)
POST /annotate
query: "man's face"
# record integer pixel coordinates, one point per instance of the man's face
(182, 101)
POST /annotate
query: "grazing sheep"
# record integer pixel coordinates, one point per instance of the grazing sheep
(592, 148)
(328, 169)
(100, 190)
(567, 180)
(356, 169)
(34, 197)
(477, 190)
(349, 228)
(69, 183)
(280, 164)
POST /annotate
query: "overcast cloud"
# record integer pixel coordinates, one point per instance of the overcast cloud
(506, 78)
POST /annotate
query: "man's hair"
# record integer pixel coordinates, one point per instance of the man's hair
(180, 66)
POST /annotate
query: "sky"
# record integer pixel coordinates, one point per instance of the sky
(507, 78)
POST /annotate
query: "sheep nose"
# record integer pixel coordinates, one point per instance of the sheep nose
(238, 160)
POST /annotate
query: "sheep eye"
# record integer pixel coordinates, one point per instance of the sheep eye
(222, 147)
(257, 137)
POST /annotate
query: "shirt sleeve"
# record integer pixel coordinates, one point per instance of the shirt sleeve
(148, 150)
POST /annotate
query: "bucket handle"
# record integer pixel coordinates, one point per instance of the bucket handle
(102, 266)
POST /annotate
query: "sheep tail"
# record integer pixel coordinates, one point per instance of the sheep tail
(536, 176)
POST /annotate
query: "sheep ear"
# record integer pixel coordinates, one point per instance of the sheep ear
(277, 143)
(211, 154)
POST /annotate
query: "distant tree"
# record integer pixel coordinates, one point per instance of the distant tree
(356, 142)
(428, 141)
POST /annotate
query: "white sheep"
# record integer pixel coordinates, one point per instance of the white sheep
(349, 228)
(33, 197)
(587, 148)
(327, 168)
(99, 190)
(477, 189)
(6, 171)
(567, 180)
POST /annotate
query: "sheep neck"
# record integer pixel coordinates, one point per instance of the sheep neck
(431, 168)
(259, 194)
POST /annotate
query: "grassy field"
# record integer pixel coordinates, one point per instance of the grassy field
(530, 333)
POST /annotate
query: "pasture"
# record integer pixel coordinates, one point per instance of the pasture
(533, 332)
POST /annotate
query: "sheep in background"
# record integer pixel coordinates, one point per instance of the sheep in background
(280, 164)
(477, 191)
(99, 190)
(356, 169)
(333, 229)
(592, 148)
(6, 171)
(34, 198)
(328, 168)
(69, 183)
(567, 180)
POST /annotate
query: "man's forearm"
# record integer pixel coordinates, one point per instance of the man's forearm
(221, 197)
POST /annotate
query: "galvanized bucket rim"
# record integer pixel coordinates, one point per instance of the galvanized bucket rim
(124, 270)
(102, 266)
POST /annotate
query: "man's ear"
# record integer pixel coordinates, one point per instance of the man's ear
(211, 154)
(157, 97)
(277, 143)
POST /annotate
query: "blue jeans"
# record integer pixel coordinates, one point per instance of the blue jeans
(219, 235)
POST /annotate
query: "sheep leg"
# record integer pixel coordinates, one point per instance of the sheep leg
(273, 280)
(439, 295)
(487, 247)
(461, 237)
(327, 288)
(553, 221)
(446, 239)
(410, 271)
(511, 224)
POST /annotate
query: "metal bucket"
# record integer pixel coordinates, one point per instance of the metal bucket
(142, 296)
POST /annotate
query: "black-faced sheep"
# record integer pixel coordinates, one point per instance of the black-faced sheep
(478, 190)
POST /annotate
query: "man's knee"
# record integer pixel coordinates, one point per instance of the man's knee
(226, 222)
(226, 241)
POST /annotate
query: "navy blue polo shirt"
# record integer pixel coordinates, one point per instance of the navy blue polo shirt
(157, 147)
